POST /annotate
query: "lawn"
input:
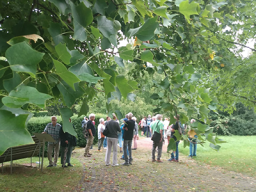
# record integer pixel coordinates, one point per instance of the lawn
(238, 154)
(32, 179)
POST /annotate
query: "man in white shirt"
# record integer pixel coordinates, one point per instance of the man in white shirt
(166, 124)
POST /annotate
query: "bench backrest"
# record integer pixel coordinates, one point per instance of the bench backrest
(23, 151)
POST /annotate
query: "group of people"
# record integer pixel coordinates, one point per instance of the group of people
(115, 132)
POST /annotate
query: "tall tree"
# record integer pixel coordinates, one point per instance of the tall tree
(63, 49)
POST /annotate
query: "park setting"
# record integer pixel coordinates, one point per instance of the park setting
(127, 95)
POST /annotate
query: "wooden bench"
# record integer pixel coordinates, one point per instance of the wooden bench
(23, 151)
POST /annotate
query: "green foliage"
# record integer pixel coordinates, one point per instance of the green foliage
(71, 53)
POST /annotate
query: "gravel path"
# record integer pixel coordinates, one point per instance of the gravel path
(143, 175)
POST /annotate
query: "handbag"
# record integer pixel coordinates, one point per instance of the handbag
(156, 136)
(101, 135)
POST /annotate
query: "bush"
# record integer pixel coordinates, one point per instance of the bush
(38, 124)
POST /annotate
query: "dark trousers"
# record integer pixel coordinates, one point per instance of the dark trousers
(158, 145)
(127, 143)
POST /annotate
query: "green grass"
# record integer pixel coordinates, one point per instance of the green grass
(237, 155)
(32, 179)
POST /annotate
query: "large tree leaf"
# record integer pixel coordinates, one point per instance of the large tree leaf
(84, 108)
(148, 56)
(105, 43)
(10, 84)
(67, 126)
(63, 53)
(69, 94)
(25, 94)
(55, 32)
(108, 86)
(14, 132)
(123, 86)
(79, 32)
(119, 114)
(108, 28)
(84, 73)
(146, 31)
(119, 61)
(99, 7)
(172, 145)
(161, 11)
(66, 75)
(215, 147)
(82, 14)
(22, 58)
(76, 56)
(115, 95)
(188, 9)
(125, 53)
(96, 32)
(62, 5)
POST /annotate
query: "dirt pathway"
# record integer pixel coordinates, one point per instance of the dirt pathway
(143, 175)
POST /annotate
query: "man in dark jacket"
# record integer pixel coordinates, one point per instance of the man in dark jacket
(67, 142)
(128, 135)
(92, 131)
(113, 127)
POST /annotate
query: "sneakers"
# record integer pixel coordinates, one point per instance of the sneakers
(105, 147)
(87, 155)
(115, 165)
(107, 164)
(153, 160)
(159, 161)
(50, 166)
(69, 165)
(134, 148)
(125, 164)
(171, 159)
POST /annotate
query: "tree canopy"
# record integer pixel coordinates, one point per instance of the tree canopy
(68, 50)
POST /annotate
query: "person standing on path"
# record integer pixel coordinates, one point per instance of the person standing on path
(53, 129)
(175, 128)
(67, 142)
(158, 127)
(193, 140)
(91, 130)
(144, 125)
(128, 135)
(149, 120)
(112, 127)
(136, 135)
(101, 137)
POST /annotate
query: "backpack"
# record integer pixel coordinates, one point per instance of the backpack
(85, 130)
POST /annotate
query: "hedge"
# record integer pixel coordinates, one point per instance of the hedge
(37, 125)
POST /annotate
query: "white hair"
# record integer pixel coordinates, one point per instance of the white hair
(91, 115)
(154, 117)
(149, 115)
(192, 120)
(159, 116)
(53, 117)
(134, 118)
(130, 115)
(101, 120)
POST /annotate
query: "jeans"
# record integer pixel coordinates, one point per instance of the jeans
(127, 143)
(127, 152)
(191, 147)
(105, 142)
(147, 129)
(177, 152)
(120, 140)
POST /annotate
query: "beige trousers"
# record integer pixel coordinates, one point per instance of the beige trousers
(56, 148)
(88, 145)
